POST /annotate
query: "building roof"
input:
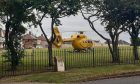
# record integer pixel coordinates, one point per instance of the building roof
(121, 42)
(42, 38)
(29, 36)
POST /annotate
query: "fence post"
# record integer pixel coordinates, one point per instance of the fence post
(2, 66)
(119, 55)
(133, 55)
(93, 57)
(65, 59)
(32, 60)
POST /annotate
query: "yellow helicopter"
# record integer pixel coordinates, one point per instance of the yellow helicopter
(80, 42)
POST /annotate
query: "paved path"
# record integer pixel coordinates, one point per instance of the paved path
(128, 80)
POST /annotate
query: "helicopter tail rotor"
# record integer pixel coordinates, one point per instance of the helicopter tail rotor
(58, 40)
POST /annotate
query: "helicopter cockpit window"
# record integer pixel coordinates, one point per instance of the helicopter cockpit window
(78, 36)
(89, 41)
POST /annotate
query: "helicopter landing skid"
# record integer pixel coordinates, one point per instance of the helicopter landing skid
(80, 50)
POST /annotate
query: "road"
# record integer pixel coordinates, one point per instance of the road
(128, 80)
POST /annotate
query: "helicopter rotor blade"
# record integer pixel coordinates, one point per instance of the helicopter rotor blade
(76, 31)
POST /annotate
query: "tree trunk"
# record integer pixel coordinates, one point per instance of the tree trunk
(9, 47)
(115, 54)
(135, 51)
(50, 54)
(134, 37)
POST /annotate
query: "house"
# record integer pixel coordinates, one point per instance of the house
(41, 42)
(97, 43)
(121, 43)
(29, 41)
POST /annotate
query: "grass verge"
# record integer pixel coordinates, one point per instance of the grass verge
(77, 75)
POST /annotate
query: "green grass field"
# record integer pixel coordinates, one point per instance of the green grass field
(75, 75)
(37, 59)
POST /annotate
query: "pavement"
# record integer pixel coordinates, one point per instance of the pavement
(125, 80)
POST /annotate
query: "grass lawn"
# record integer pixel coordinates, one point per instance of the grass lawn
(75, 75)
(38, 59)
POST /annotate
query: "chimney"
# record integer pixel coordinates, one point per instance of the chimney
(42, 35)
(30, 33)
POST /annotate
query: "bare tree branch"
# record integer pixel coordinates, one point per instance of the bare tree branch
(40, 25)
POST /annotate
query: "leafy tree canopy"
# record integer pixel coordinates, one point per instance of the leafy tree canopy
(14, 13)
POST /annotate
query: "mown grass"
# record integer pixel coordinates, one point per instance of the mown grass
(75, 75)
(37, 59)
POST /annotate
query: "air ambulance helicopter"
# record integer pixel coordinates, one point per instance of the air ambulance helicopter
(80, 42)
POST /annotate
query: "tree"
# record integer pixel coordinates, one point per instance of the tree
(132, 14)
(54, 9)
(13, 13)
(138, 41)
(109, 12)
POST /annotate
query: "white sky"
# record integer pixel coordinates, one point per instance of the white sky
(77, 23)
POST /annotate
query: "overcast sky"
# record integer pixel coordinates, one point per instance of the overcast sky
(77, 23)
